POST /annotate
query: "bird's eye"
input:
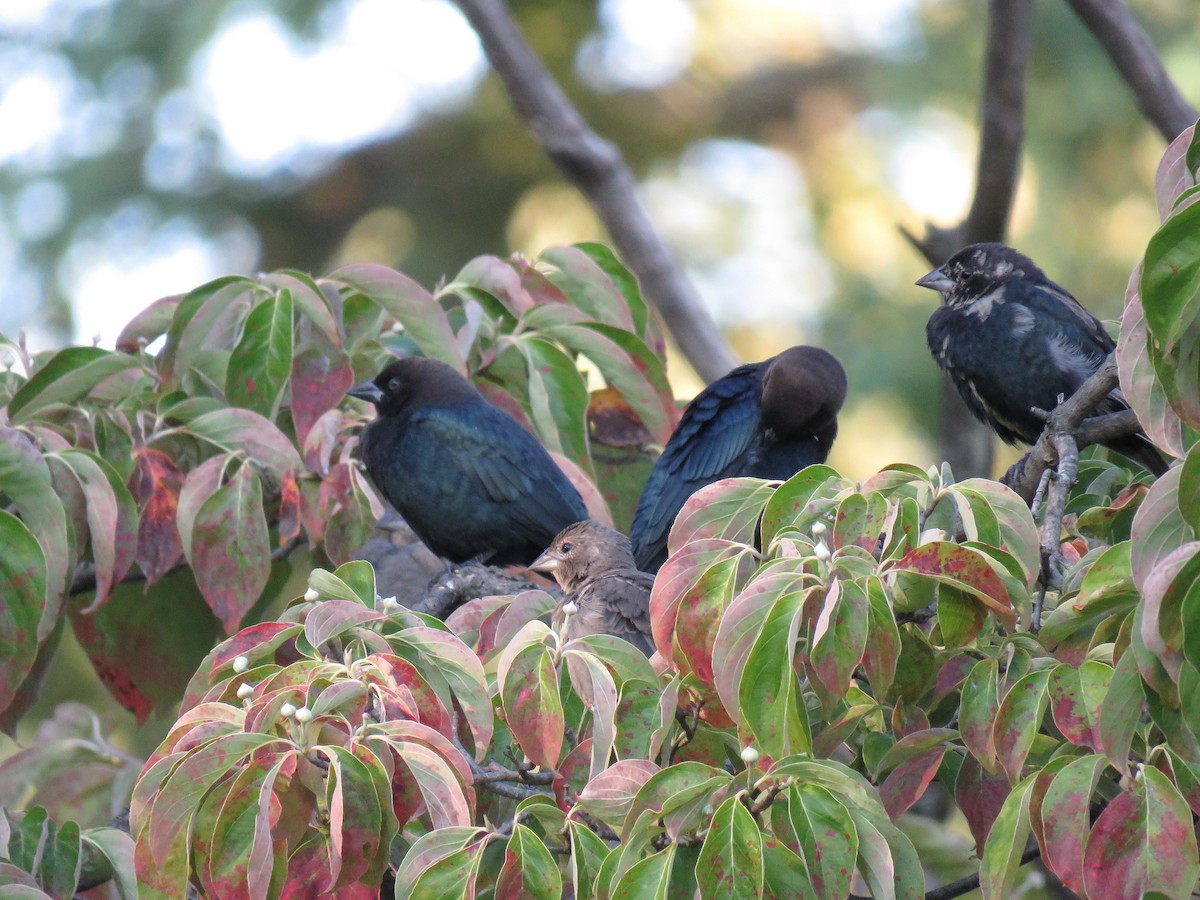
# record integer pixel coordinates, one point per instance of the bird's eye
(566, 547)
(393, 385)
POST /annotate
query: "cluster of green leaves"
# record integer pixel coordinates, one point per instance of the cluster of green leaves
(183, 467)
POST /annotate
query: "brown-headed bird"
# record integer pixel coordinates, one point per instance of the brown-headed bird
(768, 419)
(468, 478)
(1011, 339)
(594, 566)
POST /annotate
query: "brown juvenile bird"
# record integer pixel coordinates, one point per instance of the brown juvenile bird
(594, 566)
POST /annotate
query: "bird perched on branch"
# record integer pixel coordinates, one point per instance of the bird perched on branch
(768, 419)
(1011, 340)
(594, 566)
(468, 478)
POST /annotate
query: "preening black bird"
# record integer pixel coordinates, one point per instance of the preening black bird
(468, 478)
(1011, 339)
(594, 566)
(768, 419)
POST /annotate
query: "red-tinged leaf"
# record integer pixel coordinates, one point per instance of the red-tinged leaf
(1061, 813)
(840, 636)
(882, 650)
(915, 743)
(529, 871)
(1173, 177)
(67, 377)
(690, 594)
(977, 712)
(257, 643)
(319, 382)
(353, 509)
(23, 587)
(155, 486)
(355, 818)
(148, 325)
(980, 795)
(963, 568)
(769, 696)
(429, 709)
(412, 306)
(587, 286)
(261, 361)
(25, 480)
(329, 618)
(500, 279)
(595, 687)
(245, 431)
(1139, 385)
(1005, 843)
(597, 506)
(816, 826)
(907, 782)
(230, 550)
(1163, 596)
(677, 795)
(1143, 842)
(858, 521)
(1015, 531)
(1170, 278)
(205, 319)
(200, 484)
(610, 794)
(572, 774)
(743, 621)
(785, 875)
(289, 509)
(800, 500)
(533, 707)
(557, 397)
(459, 847)
(1018, 721)
(951, 675)
(111, 519)
(644, 322)
(588, 853)
(1120, 713)
(446, 799)
(731, 860)
(524, 608)
(1075, 699)
(728, 509)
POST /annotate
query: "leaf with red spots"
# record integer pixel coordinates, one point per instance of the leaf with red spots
(800, 501)
(839, 636)
(230, 550)
(677, 796)
(1143, 842)
(67, 377)
(609, 795)
(907, 782)
(728, 509)
(529, 871)
(1019, 720)
(1140, 387)
(442, 863)
(412, 306)
(980, 795)
(1060, 812)
(533, 706)
(816, 826)
(769, 697)
(1075, 699)
(245, 431)
(977, 712)
(261, 362)
(155, 486)
(111, 519)
(319, 382)
(23, 587)
(356, 817)
(731, 860)
(964, 568)
(596, 688)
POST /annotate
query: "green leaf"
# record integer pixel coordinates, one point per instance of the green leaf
(800, 500)
(731, 860)
(644, 323)
(243, 430)
(964, 568)
(1063, 817)
(1006, 843)
(558, 399)
(887, 860)
(441, 864)
(769, 692)
(23, 587)
(1139, 382)
(1171, 278)
(977, 711)
(261, 362)
(533, 707)
(1018, 721)
(588, 853)
(69, 376)
(816, 826)
(529, 870)
(840, 636)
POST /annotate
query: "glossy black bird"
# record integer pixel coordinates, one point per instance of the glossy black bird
(465, 475)
(1011, 339)
(594, 566)
(768, 419)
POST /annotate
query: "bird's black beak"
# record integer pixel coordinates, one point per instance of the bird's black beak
(368, 390)
(545, 564)
(937, 280)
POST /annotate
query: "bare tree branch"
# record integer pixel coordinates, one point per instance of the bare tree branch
(595, 166)
(966, 444)
(1134, 56)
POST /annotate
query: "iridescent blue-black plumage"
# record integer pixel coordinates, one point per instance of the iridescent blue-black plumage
(1011, 340)
(768, 419)
(466, 476)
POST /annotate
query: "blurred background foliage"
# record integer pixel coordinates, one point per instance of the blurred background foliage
(148, 145)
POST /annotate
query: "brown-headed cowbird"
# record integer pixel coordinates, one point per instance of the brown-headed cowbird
(1011, 339)
(593, 564)
(768, 419)
(468, 478)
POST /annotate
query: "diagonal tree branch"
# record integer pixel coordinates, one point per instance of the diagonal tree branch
(966, 444)
(1134, 56)
(595, 166)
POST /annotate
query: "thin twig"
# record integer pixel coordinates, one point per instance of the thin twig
(595, 166)
(1133, 55)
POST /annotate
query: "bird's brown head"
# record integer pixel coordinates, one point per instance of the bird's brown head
(584, 551)
(977, 269)
(803, 391)
(414, 382)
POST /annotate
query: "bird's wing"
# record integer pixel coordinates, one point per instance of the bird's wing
(715, 430)
(508, 463)
(624, 598)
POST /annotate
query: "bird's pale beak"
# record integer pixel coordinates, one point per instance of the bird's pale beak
(545, 563)
(368, 391)
(937, 280)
